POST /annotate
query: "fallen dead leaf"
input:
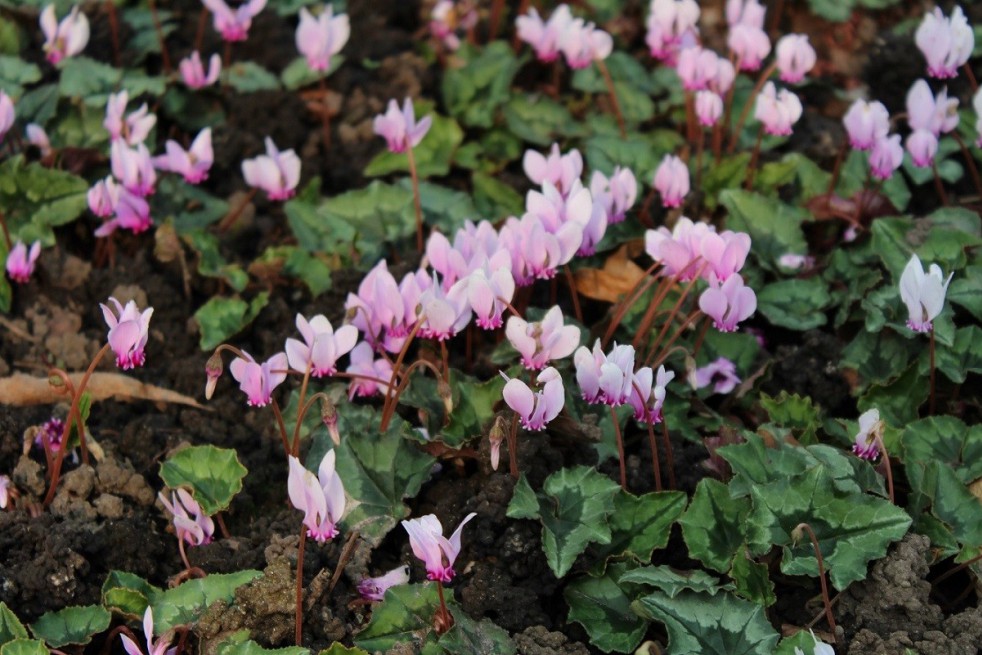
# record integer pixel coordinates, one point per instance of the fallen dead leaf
(20, 389)
(618, 277)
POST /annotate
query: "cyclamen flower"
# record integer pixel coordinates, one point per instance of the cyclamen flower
(159, 646)
(428, 543)
(5, 486)
(103, 196)
(373, 589)
(487, 294)
(444, 313)
(866, 123)
(133, 167)
(448, 17)
(194, 163)
(20, 261)
(318, 39)
(64, 39)
(728, 304)
(50, 432)
(7, 114)
(616, 195)
(399, 128)
(190, 521)
(38, 138)
(320, 498)
(870, 428)
(258, 380)
(583, 43)
(720, 373)
(364, 363)
(709, 107)
(795, 57)
(777, 110)
(537, 408)
(277, 173)
(543, 341)
(603, 378)
(193, 71)
(749, 43)
(922, 146)
(544, 36)
(697, 67)
(322, 346)
(946, 43)
(132, 129)
(669, 23)
(560, 170)
(132, 212)
(128, 332)
(672, 181)
(925, 111)
(923, 293)
(233, 24)
(648, 393)
(887, 156)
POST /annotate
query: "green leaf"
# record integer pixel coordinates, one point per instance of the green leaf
(774, 226)
(672, 582)
(71, 626)
(468, 636)
(966, 290)
(87, 79)
(298, 74)
(376, 214)
(191, 207)
(127, 594)
(899, 400)
(793, 411)
(473, 92)
(186, 602)
(443, 207)
(405, 616)
(752, 581)
(473, 406)
(309, 269)
(796, 304)
(852, 529)
(700, 624)
(960, 359)
(24, 647)
(640, 153)
(249, 77)
(240, 644)
(36, 199)
(940, 238)
(573, 508)
(15, 74)
(728, 174)
(211, 262)
(603, 607)
(878, 357)
(938, 494)
(433, 155)
(632, 84)
(802, 640)
(337, 648)
(494, 199)
(221, 318)
(214, 475)
(10, 626)
(540, 120)
(947, 440)
(640, 524)
(714, 526)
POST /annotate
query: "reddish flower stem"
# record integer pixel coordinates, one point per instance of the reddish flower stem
(574, 292)
(113, 30)
(388, 407)
(158, 28)
(735, 135)
(655, 461)
(300, 403)
(886, 465)
(282, 427)
(643, 284)
(609, 81)
(326, 116)
(417, 203)
(930, 406)
(938, 184)
(669, 454)
(620, 447)
(445, 620)
(821, 577)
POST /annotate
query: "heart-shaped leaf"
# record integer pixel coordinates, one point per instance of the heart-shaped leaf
(214, 475)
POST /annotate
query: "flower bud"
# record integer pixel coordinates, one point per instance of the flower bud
(213, 369)
(496, 436)
(446, 395)
(329, 415)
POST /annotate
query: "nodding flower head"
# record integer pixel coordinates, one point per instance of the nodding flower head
(605, 378)
(399, 127)
(536, 408)
(64, 39)
(542, 341)
(318, 39)
(923, 293)
(277, 172)
(777, 110)
(322, 345)
(373, 589)
(190, 521)
(7, 114)
(866, 123)
(544, 36)
(234, 24)
(437, 552)
(258, 380)
(946, 43)
(128, 331)
(159, 646)
(672, 181)
(192, 164)
(648, 393)
(193, 71)
(866, 444)
(320, 497)
(20, 261)
(729, 303)
(795, 57)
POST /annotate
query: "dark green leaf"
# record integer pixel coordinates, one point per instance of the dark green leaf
(127, 593)
(36, 199)
(474, 91)
(24, 647)
(213, 475)
(603, 607)
(640, 524)
(184, 603)
(714, 526)
(405, 616)
(240, 644)
(71, 626)
(10, 626)
(221, 318)
(774, 227)
(672, 582)
(796, 304)
(539, 119)
(468, 637)
(249, 77)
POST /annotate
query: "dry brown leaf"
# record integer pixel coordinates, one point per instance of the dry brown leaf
(616, 279)
(976, 489)
(21, 389)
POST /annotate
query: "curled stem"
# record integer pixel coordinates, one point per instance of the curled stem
(821, 576)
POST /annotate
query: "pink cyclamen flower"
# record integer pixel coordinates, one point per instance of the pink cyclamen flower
(946, 43)
(886, 156)
(720, 373)
(795, 57)
(603, 378)
(373, 375)
(487, 293)
(749, 44)
(5, 486)
(193, 71)
(320, 497)
(583, 43)
(133, 167)
(192, 164)
(50, 433)
(428, 543)
(399, 127)
(190, 521)
(7, 114)
(672, 181)
(728, 304)
(277, 173)
(64, 39)
(20, 261)
(132, 212)
(444, 313)
(724, 253)
(795, 261)
(536, 408)
(541, 342)
(616, 194)
(560, 170)
(319, 39)
(870, 429)
(448, 18)
(159, 646)
(322, 346)
(233, 24)
(925, 111)
(697, 67)
(922, 146)
(544, 36)
(709, 107)
(128, 332)
(132, 129)
(373, 589)
(648, 393)
(103, 196)
(258, 380)
(38, 138)
(923, 293)
(669, 23)
(866, 123)
(680, 250)
(777, 110)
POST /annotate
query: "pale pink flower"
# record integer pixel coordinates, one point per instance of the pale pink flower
(364, 363)
(593, 231)
(697, 67)
(399, 127)
(777, 110)
(560, 170)
(648, 393)
(373, 589)
(38, 138)
(132, 129)
(925, 111)
(428, 543)
(320, 498)
(536, 408)
(555, 210)
(190, 522)
(258, 380)
(128, 332)
(233, 25)
(544, 36)
(720, 373)
(886, 156)
(487, 293)
(672, 181)
(616, 195)
(132, 212)
(746, 12)
(729, 303)
(159, 646)
(277, 173)
(449, 17)
(923, 293)
(750, 44)
(724, 253)
(670, 22)
(680, 250)
(133, 167)
(709, 107)
(64, 39)
(378, 309)
(194, 163)
(795, 261)
(543, 341)
(583, 43)
(795, 57)
(7, 114)
(319, 39)
(537, 251)
(193, 71)
(604, 378)
(444, 313)
(322, 346)
(866, 123)
(870, 427)
(946, 43)
(922, 146)
(20, 261)
(103, 196)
